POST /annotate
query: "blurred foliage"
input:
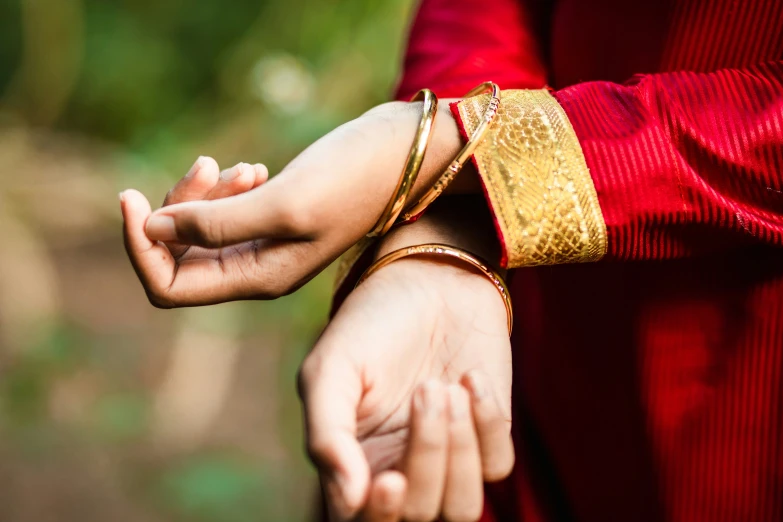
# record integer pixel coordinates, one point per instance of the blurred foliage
(110, 409)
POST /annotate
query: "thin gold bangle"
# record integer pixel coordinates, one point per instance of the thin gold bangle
(467, 151)
(438, 249)
(412, 166)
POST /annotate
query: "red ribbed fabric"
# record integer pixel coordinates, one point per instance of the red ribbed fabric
(685, 163)
(506, 51)
(649, 386)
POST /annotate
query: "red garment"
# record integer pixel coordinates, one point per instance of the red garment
(652, 388)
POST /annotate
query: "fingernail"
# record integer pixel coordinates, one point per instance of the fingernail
(458, 407)
(475, 385)
(195, 168)
(161, 228)
(233, 173)
(429, 398)
(122, 196)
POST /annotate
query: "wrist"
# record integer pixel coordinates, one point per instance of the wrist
(458, 220)
(435, 259)
(445, 143)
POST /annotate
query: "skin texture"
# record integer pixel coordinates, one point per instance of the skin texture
(406, 394)
(267, 241)
(413, 374)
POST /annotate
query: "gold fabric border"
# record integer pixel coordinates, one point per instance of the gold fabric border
(537, 181)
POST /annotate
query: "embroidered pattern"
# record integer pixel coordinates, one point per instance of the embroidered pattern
(537, 180)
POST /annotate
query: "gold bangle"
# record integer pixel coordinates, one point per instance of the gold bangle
(457, 253)
(467, 151)
(412, 166)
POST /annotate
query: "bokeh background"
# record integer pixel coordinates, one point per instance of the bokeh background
(111, 410)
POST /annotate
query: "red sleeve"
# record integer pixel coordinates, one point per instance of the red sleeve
(684, 163)
(455, 45)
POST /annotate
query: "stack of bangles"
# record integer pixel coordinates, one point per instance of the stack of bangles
(396, 212)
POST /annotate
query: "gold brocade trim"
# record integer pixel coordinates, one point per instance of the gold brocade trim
(537, 180)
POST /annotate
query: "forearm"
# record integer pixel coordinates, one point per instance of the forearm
(444, 144)
(459, 218)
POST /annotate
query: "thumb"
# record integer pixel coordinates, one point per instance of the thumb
(267, 211)
(152, 261)
(331, 389)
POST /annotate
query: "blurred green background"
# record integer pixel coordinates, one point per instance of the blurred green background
(111, 410)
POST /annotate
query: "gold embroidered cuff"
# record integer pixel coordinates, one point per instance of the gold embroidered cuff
(537, 181)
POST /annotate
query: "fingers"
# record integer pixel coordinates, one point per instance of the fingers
(237, 180)
(386, 498)
(458, 433)
(492, 426)
(205, 181)
(455, 430)
(330, 392)
(196, 184)
(152, 261)
(273, 210)
(214, 278)
(463, 499)
(426, 456)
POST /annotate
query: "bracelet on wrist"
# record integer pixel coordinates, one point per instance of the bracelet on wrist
(412, 166)
(437, 249)
(467, 151)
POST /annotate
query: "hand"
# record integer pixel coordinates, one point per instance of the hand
(271, 239)
(407, 396)
(203, 182)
